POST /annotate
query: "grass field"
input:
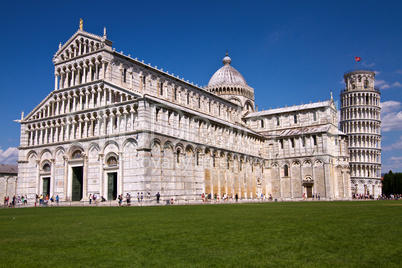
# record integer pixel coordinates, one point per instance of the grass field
(294, 234)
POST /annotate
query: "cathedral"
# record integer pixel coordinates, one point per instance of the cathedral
(115, 125)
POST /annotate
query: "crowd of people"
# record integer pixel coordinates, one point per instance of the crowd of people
(225, 197)
(45, 200)
(15, 201)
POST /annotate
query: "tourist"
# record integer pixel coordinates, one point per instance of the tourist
(90, 198)
(142, 196)
(158, 196)
(128, 199)
(237, 197)
(57, 199)
(138, 196)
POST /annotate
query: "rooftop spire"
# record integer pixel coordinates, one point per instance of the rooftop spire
(81, 24)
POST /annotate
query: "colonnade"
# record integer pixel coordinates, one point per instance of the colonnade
(361, 98)
(97, 123)
(365, 170)
(366, 141)
(361, 113)
(369, 127)
(80, 47)
(81, 99)
(365, 155)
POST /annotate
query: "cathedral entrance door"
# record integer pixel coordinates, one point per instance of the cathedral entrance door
(112, 186)
(46, 186)
(309, 190)
(77, 184)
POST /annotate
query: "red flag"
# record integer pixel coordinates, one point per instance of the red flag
(358, 59)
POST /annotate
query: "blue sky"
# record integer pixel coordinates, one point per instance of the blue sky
(290, 52)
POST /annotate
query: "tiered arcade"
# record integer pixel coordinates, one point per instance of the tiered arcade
(360, 120)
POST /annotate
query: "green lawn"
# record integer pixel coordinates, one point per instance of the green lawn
(294, 234)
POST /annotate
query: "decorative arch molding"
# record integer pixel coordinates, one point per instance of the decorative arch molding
(248, 102)
(168, 145)
(110, 143)
(236, 100)
(112, 159)
(74, 147)
(190, 150)
(179, 146)
(42, 153)
(59, 153)
(31, 154)
(46, 166)
(318, 163)
(296, 164)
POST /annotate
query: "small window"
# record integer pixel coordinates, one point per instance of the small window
(281, 144)
(157, 114)
(303, 141)
(278, 121)
(262, 123)
(197, 158)
(161, 89)
(295, 118)
(315, 116)
(292, 142)
(124, 75)
(178, 156)
(314, 140)
(286, 170)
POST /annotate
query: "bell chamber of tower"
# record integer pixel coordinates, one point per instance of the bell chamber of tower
(360, 120)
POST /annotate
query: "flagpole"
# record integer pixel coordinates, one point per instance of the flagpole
(355, 63)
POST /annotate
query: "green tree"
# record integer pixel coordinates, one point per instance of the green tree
(392, 183)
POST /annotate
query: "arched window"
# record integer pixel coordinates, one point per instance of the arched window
(178, 156)
(286, 170)
(112, 161)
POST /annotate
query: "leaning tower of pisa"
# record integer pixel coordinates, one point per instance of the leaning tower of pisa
(360, 120)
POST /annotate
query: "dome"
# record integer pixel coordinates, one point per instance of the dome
(227, 75)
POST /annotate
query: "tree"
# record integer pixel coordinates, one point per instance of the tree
(392, 183)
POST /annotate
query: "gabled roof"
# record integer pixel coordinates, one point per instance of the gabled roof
(289, 109)
(78, 35)
(303, 131)
(8, 169)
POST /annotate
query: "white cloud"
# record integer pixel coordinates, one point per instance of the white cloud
(393, 163)
(399, 71)
(368, 64)
(391, 116)
(390, 106)
(396, 146)
(382, 84)
(9, 156)
(396, 84)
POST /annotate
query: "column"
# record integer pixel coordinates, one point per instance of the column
(85, 179)
(56, 80)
